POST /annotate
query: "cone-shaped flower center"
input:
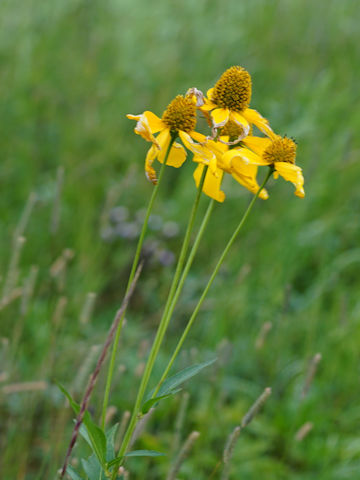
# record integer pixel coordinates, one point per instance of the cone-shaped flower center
(281, 150)
(233, 89)
(181, 114)
(233, 130)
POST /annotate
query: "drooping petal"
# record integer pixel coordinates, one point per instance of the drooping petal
(199, 149)
(292, 173)
(147, 124)
(240, 120)
(246, 155)
(163, 140)
(252, 185)
(155, 123)
(177, 155)
(257, 144)
(212, 182)
(245, 174)
(216, 147)
(259, 121)
(220, 116)
(150, 157)
(242, 169)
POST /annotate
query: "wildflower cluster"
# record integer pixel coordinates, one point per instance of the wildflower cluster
(231, 147)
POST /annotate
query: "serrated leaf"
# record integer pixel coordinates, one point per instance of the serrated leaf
(93, 434)
(110, 441)
(136, 453)
(176, 380)
(73, 474)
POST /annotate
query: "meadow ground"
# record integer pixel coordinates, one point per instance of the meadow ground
(70, 70)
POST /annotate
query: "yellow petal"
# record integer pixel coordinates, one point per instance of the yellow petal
(208, 105)
(155, 123)
(199, 137)
(163, 140)
(209, 93)
(257, 144)
(240, 120)
(220, 116)
(251, 184)
(150, 157)
(197, 148)
(212, 183)
(177, 155)
(293, 174)
(246, 155)
(259, 121)
(217, 148)
(147, 124)
(242, 169)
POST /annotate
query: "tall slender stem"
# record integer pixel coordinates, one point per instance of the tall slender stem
(213, 275)
(131, 277)
(164, 322)
(185, 273)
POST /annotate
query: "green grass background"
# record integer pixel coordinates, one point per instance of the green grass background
(70, 70)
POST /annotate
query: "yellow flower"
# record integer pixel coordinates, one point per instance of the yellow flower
(243, 173)
(279, 152)
(179, 119)
(230, 99)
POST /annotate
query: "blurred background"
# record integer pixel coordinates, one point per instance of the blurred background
(72, 202)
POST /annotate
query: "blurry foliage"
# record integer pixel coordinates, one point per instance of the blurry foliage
(70, 70)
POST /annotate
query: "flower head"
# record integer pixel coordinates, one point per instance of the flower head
(281, 149)
(179, 119)
(278, 152)
(230, 99)
(233, 90)
(180, 114)
(243, 173)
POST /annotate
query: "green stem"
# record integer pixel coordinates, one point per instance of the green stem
(184, 275)
(164, 322)
(131, 277)
(213, 275)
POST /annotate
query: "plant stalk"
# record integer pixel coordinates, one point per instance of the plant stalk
(212, 278)
(131, 277)
(164, 322)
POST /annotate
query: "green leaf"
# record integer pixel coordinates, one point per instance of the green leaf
(144, 453)
(152, 401)
(73, 404)
(110, 441)
(92, 468)
(173, 382)
(95, 438)
(136, 453)
(73, 474)
(93, 434)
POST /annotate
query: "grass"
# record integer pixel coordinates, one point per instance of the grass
(70, 71)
